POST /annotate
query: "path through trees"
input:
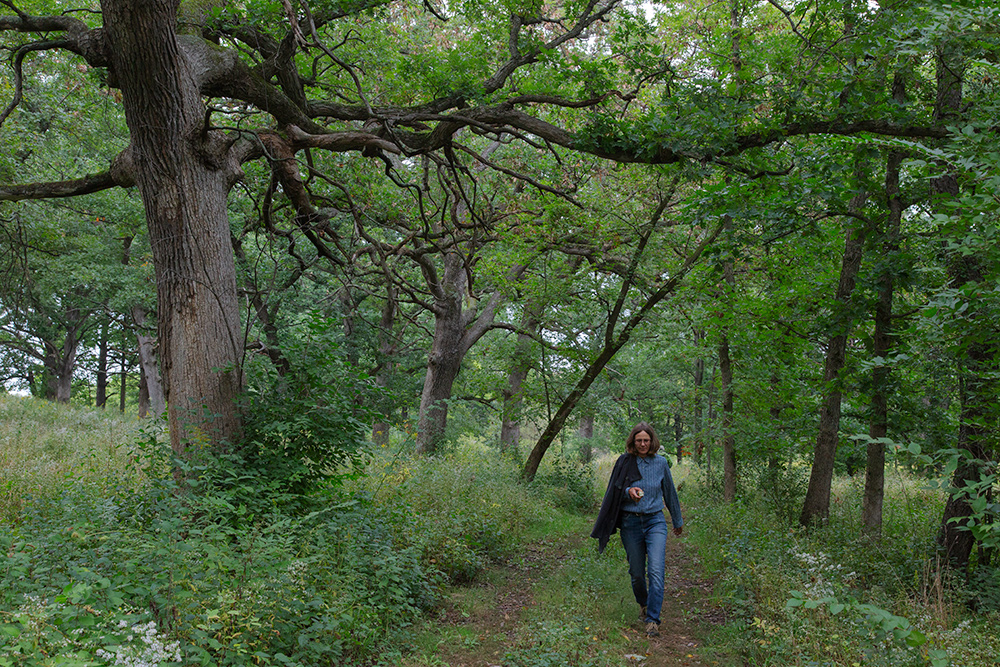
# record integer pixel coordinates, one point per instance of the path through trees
(484, 622)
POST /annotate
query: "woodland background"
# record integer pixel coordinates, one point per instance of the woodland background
(328, 239)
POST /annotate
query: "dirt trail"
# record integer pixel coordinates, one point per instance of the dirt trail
(686, 618)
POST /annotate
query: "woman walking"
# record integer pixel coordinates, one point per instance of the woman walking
(639, 487)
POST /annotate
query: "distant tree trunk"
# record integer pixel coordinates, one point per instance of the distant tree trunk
(699, 382)
(349, 303)
(387, 348)
(102, 367)
(585, 433)
(456, 330)
(122, 380)
(60, 360)
(726, 376)
(513, 393)
(728, 438)
(817, 501)
(710, 425)
(871, 503)
(678, 435)
(445, 358)
(149, 375)
(266, 309)
(775, 413)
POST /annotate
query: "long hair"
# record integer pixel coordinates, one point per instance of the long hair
(654, 445)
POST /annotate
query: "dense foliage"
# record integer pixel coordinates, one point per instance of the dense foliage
(386, 226)
(108, 564)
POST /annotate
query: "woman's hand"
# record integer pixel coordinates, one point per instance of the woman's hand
(635, 493)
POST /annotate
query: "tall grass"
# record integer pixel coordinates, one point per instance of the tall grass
(44, 446)
(107, 564)
(828, 596)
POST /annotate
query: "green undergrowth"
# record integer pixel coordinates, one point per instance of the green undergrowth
(829, 597)
(107, 564)
(577, 606)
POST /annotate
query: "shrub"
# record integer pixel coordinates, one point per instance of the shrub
(301, 427)
(830, 596)
(461, 511)
(569, 484)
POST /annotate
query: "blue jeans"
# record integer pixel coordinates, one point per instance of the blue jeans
(644, 537)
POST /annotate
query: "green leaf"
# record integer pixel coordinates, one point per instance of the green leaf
(916, 638)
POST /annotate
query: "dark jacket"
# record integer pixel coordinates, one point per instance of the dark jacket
(623, 475)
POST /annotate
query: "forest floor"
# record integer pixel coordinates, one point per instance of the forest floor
(486, 621)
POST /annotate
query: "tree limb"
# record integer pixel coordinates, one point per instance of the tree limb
(59, 189)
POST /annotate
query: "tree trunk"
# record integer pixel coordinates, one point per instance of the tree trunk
(775, 414)
(513, 393)
(585, 432)
(456, 330)
(143, 394)
(387, 347)
(149, 376)
(612, 343)
(871, 503)
(179, 170)
(977, 391)
(122, 380)
(102, 367)
(817, 501)
(445, 358)
(678, 434)
(266, 311)
(726, 376)
(728, 438)
(699, 383)
(60, 361)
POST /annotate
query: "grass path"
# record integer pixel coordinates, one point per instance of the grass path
(558, 603)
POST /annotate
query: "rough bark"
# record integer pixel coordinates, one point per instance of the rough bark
(179, 170)
(450, 343)
(457, 327)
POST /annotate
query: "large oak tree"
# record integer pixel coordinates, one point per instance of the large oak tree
(207, 89)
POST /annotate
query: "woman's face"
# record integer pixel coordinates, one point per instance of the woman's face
(642, 443)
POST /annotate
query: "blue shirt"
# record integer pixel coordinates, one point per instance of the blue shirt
(658, 490)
